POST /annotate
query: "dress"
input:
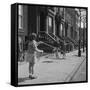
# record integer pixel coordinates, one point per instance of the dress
(31, 53)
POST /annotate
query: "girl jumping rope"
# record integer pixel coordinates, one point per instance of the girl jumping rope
(31, 53)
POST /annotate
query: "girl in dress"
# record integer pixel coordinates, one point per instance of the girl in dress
(31, 53)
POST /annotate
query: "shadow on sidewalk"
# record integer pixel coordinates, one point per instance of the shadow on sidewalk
(24, 79)
(55, 58)
(52, 60)
(78, 56)
(47, 62)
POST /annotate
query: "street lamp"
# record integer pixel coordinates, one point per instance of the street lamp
(79, 50)
(83, 36)
(84, 21)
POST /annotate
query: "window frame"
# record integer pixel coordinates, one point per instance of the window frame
(20, 17)
(50, 31)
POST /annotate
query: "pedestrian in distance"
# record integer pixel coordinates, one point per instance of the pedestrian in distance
(56, 50)
(31, 53)
(64, 50)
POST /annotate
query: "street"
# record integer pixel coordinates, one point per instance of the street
(50, 70)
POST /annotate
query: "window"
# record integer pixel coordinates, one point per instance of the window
(50, 24)
(20, 19)
(61, 28)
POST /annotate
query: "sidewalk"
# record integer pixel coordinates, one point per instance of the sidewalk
(50, 70)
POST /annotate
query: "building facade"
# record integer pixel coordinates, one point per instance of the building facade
(52, 25)
(72, 29)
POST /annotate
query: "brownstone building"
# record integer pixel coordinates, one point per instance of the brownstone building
(51, 24)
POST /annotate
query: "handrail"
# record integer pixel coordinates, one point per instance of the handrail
(48, 44)
(51, 37)
(48, 35)
(57, 38)
(74, 41)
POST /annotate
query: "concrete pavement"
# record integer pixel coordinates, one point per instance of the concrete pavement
(50, 70)
(80, 74)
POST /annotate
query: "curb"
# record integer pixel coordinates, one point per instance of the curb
(72, 74)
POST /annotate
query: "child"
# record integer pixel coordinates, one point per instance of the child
(31, 53)
(64, 50)
(56, 49)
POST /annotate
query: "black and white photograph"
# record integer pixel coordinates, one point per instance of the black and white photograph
(51, 44)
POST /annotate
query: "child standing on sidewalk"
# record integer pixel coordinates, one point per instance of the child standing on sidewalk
(31, 53)
(64, 50)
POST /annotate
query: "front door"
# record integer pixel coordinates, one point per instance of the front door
(42, 22)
